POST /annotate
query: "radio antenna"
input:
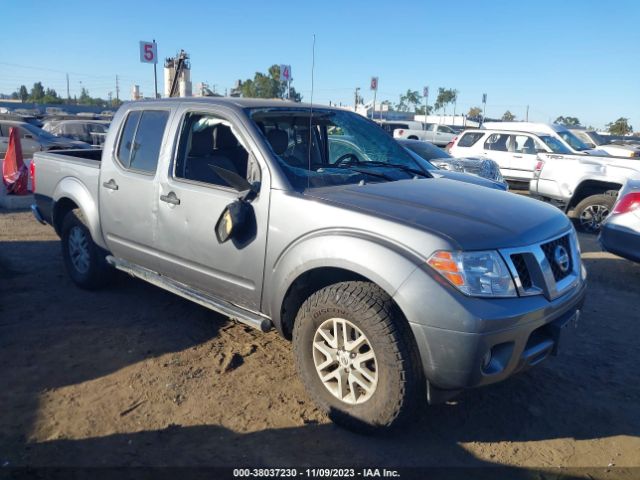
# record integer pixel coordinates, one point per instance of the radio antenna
(313, 64)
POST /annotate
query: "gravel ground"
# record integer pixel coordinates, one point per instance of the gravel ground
(132, 375)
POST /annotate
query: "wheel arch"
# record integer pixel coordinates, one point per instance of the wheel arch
(323, 261)
(70, 194)
(587, 188)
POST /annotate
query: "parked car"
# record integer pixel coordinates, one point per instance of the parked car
(439, 135)
(396, 286)
(584, 186)
(562, 133)
(340, 145)
(515, 152)
(593, 139)
(482, 167)
(620, 232)
(92, 132)
(390, 126)
(34, 139)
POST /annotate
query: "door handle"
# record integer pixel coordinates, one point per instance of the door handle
(517, 156)
(111, 184)
(170, 198)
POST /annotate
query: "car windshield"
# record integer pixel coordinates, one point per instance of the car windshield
(37, 132)
(573, 141)
(333, 147)
(426, 150)
(554, 144)
(598, 139)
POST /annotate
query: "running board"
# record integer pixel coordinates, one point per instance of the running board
(234, 312)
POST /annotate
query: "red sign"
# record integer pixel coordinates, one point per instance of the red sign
(374, 83)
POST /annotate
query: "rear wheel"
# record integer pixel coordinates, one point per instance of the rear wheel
(592, 211)
(357, 358)
(84, 260)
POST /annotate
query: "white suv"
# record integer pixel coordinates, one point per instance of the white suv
(515, 152)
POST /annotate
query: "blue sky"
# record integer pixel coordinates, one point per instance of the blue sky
(577, 58)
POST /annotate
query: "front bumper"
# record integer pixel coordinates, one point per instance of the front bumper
(455, 334)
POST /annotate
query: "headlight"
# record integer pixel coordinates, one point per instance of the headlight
(478, 274)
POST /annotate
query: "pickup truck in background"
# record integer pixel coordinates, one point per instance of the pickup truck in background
(439, 135)
(593, 139)
(395, 285)
(585, 186)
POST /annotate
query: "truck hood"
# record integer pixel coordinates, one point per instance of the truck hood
(470, 217)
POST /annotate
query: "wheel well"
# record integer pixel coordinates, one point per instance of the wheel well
(60, 209)
(592, 187)
(412, 137)
(306, 285)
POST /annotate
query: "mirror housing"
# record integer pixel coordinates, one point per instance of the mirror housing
(28, 135)
(232, 220)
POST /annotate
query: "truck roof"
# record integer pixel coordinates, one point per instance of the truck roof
(231, 101)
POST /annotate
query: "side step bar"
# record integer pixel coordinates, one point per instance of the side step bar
(234, 312)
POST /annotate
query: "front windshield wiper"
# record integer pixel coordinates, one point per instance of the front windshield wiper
(364, 172)
(411, 170)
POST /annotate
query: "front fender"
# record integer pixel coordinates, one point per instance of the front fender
(74, 190)
(380, 261)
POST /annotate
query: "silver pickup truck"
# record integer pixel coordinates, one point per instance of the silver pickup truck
(396, 284)
(585, 186)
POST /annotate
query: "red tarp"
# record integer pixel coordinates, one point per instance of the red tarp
(14, 172)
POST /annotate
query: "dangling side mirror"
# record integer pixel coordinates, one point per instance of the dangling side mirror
(232, 220)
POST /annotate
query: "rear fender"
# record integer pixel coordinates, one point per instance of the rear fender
(74, 190)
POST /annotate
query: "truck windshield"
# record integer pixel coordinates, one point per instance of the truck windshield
(573, 141)
(333, 147)
(554, 144)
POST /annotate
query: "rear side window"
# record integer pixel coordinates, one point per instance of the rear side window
(470, 138)
(141, 140)
(497, 142)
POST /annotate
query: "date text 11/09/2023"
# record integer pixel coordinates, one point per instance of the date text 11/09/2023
(315, 473)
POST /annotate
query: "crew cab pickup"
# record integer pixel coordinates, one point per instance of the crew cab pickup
(394, 284)
(439, 135)
(584, 186)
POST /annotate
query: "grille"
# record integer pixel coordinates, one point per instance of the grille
(549, 252)
(523, 271)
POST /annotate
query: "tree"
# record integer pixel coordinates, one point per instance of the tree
(420, 109)
(51, 96)
(23, 93)
(508, 116)
(474, 112)
(387, 103)
(620, 127)
(408, 101)
(37, 92)
(85, 98)
(567, 121)
(268, 86)
(445, 97)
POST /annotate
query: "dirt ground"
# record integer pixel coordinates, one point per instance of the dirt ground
(133, 375)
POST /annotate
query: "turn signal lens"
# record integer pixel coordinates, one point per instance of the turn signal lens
(479, 274)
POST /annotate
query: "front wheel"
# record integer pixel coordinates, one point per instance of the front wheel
(592, 211)
(84, 260)
(357, 357)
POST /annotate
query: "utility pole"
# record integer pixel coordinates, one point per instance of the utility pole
(527, 115)
(356, 100)
(68, 93)
(484, 106)
(425, 93)
(155, 73)
(117, 90)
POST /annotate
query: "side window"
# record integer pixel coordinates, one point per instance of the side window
(141, 140)
(522, 144)
(444, 129)
(497, 142)
(469, 139)
(208, 144)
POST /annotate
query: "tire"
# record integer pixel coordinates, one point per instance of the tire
(84, 260)
(394, 374)
(592, 211)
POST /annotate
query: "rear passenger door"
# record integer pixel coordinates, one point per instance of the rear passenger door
(129, 190)
(496, 147)
(524, 156)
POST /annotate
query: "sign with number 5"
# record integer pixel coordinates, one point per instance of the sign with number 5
(148, 52)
